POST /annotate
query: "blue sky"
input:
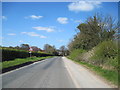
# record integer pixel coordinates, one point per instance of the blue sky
(47, 22)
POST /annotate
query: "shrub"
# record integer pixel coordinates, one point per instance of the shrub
(75, 53)
(105, 52)
(11, 54)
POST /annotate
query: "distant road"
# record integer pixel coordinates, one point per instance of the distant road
(57, 72)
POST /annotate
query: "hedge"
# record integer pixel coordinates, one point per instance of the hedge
(11, 54)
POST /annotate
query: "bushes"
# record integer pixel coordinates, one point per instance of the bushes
(40, 54)
(11, 54)
(106, 49)
(76, 53)
(106, 53)
(103, 59)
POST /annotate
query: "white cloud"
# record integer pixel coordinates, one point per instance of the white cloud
(34, 17)
(33, 34)
(41, 36)
(12, 34)
(83, 5)
(30, 33)
(62, 20)
(20, 41)
(47, 29)
(4, 17)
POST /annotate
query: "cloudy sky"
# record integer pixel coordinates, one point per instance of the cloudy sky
(47, 22)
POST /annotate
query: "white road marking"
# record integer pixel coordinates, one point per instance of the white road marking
(73, 79)
(82, 77)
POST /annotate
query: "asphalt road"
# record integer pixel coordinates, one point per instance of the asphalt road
(57, 72)
(83, 77)
(50, 73)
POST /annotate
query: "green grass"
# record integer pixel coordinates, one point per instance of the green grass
(76, 53)
(106, 53)
(109, 75)
(18, 61)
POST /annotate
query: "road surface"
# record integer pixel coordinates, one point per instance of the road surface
(57, 72)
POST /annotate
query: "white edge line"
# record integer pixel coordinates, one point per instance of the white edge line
(71, 75)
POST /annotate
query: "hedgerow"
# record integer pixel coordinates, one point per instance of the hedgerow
(11, 54)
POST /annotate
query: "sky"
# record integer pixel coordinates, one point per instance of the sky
(54, 23)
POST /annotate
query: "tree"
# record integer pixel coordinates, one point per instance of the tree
(54, 51)
(35, 48)
(47, 48)
(24, 46)
(50, 49)
(96, 29)
(17, 47)
(63, 51)
(88, 35)
(104, 26)
(11, 47)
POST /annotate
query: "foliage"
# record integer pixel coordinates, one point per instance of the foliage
(24, 46)
(109, 75)
(108, 52)
(63, 51)
(97, 36)
(50, 49)
(76, 53)
(99, 32)
(18, 61)
(95, 30)
(11, 54)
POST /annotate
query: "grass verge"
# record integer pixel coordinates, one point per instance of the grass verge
(7, 64)
(109, 75)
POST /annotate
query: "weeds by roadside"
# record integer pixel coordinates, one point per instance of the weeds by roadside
(7, 64)
(109, 75)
